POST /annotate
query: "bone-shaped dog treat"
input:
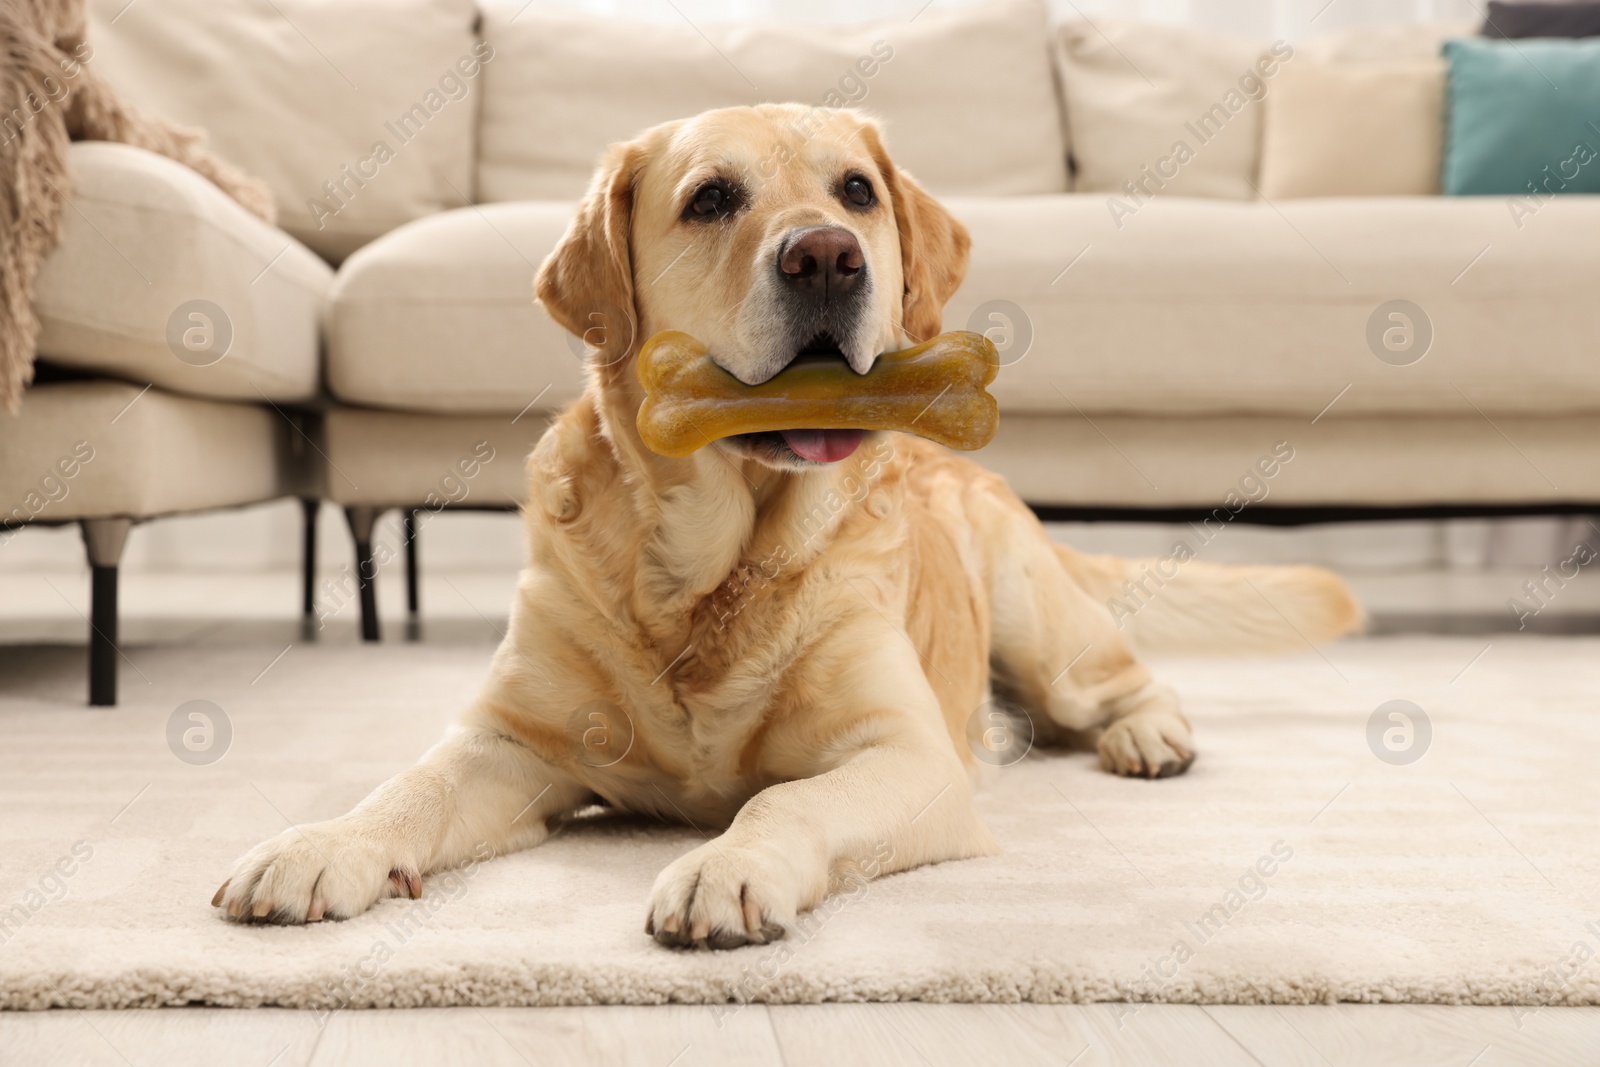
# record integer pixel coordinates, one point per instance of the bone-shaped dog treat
(934, 390)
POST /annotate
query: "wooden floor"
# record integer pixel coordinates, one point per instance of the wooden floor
(833, 1035)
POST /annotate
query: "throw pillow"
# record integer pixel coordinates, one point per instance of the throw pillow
(1354, 129)
(1542, 20)
(1523, 117)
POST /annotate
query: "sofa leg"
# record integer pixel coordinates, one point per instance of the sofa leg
(103, 539)
(362, 520)
(409, 520)
(308, 557)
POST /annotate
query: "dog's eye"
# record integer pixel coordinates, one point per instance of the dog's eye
(713, 200)
(858, 191)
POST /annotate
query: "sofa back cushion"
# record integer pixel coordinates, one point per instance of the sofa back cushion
(1137, 91)
(967, 95)
(376, 97)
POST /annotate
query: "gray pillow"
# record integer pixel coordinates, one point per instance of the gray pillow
(1511, 20)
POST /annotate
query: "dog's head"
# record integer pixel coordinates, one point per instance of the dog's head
(766, 232)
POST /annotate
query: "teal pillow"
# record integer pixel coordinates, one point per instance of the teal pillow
(1524, 117)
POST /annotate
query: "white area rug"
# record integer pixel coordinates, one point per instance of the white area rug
(1469, 876)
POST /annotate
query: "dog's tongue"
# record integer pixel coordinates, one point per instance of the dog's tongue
(823, 446)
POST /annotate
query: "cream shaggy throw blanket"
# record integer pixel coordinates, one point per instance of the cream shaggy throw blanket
(1291, 865)
(49, 95)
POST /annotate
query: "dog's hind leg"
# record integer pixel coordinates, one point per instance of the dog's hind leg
(1057, 652)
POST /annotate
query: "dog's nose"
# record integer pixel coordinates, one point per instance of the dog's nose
(823, 260)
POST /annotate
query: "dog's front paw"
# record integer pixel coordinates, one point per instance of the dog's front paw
(1147, 745)
(722, 896)
(329, 870)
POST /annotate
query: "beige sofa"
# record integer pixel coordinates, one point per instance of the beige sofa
(1161, 336)
(173, 324)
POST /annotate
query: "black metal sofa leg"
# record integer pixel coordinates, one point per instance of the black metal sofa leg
(362, 520)
(103, 540)
(308, 558)
(409, 519)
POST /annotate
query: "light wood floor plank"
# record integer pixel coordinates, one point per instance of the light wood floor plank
(906, 1035)
(1402, 1035)
(828, 1035)
(677, 1035)
(933, 1035)
(161, 1037)
(1139, 1034)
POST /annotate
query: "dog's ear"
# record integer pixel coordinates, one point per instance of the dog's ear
(934, 246)
(586, 282)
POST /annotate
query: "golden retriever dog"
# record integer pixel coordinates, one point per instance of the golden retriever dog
(783, 636)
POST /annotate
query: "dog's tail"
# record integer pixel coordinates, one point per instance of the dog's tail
(1174, 606)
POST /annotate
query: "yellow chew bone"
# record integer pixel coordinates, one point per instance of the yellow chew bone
(934, 390)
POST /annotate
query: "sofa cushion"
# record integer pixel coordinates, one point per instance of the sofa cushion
(1354, 129)
(160, 277)
(303, 93)
(1209, 307)
(101, 449)
(400, 459)
(439, 315)
(1136, 91)
(1193, 306)
(1214, 462)
(1522, 117)
(967, 95)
